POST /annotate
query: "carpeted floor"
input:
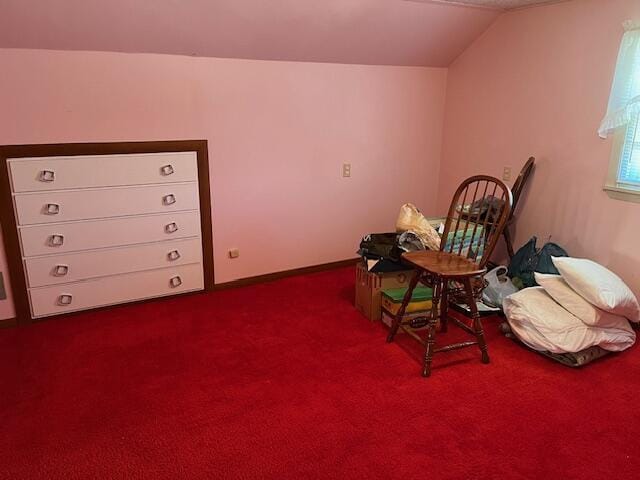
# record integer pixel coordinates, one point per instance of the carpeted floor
(287, 380)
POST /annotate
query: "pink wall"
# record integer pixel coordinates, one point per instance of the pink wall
(537, 83)
(278, 134)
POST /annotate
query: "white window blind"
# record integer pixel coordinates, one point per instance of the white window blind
(629, 170)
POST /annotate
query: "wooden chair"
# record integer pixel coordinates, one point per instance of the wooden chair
(518, 187)
(455, 272)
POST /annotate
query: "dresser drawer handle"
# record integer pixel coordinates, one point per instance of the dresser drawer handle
(171, 227)
(47, 176)
(52, 209)
(175, 281)
(167, 170)
(61, 270)
(173, 255)
(169, 199)
(65, 299)
(56, 240)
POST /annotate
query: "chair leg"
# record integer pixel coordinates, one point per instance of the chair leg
(431, 341)
(431, 330)
(477, 323)
(507, 239)
(405, 301)
(444, 307)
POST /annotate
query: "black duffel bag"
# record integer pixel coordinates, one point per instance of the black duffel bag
(529, 259)
(380, 246)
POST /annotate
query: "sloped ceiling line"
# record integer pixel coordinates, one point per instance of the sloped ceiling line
(375, 32)
(502, 5)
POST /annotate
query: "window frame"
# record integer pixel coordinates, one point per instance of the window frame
(613, 187)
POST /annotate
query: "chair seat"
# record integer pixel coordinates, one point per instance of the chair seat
(444, 264)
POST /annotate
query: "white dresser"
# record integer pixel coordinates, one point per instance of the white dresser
(99, 230)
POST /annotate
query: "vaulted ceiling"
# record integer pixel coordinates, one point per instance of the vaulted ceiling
(381, 32)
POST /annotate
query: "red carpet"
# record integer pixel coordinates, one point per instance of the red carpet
(287, 380)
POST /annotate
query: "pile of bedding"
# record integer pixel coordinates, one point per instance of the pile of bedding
(586, 305)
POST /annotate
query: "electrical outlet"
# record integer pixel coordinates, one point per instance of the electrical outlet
(234, 253)
(506, 174)
(346, 169)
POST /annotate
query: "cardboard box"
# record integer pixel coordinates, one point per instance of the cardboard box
(369, 288)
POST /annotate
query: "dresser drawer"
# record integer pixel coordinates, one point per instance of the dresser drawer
(59, 173)
(62, 206)
(56, 269)
(128, 287)
(76, 236)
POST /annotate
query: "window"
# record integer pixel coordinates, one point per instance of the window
(629, 164)
(623, 119)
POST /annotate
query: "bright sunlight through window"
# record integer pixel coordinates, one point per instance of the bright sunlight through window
(623, 118)
(629, 170)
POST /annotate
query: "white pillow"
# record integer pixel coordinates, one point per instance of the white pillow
(562, 293)
(599, 286)
(538, 320)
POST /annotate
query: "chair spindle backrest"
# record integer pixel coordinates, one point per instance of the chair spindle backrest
(478, 213)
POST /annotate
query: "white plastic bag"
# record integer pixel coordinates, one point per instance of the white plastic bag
(411, 220)
(499, 286)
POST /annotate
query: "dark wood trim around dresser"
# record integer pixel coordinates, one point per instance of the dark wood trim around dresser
(9, 224)
(12, 243)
